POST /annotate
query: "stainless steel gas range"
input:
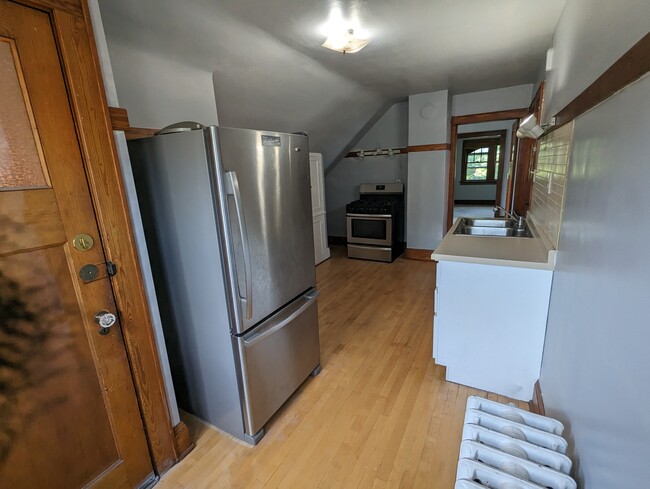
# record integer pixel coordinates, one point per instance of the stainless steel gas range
(376, 222)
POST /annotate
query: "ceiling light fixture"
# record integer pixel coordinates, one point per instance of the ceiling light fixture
(344, 36)
(345, 42)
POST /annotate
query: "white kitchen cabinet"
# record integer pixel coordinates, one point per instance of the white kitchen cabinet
(321, 248)
(490, 324)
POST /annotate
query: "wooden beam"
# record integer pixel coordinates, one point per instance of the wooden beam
(628, 68)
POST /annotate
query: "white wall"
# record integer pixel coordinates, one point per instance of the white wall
(595, 368)
(342, 182)
(590, 36)
(158, 91)
(426, 199)
(596, 363)
(515, 97)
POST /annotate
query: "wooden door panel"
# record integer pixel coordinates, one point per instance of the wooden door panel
(51, 382)
(29, 219)
(69, 416)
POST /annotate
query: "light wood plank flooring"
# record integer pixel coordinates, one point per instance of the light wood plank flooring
(380, 414)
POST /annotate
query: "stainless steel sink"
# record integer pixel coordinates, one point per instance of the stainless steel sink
(506, 228)
(496, 222)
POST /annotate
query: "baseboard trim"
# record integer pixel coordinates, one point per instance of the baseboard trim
(416, 254)
(182, 440)
(537, 402)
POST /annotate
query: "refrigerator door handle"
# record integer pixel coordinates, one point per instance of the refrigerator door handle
(265, 331)
(232, 188)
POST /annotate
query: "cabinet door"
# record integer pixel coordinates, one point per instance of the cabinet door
(317, 183)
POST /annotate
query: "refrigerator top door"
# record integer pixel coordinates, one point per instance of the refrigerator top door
(262, 184)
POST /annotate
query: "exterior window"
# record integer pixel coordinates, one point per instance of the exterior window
(480, 161)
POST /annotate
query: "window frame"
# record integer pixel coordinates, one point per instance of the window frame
(470, 145)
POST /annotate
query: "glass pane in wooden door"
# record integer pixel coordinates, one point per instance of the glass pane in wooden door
(21, 159)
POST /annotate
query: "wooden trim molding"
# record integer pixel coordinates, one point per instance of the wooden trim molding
(139, 132)
(628, 68)
(119, 119)
(418, 254)
(409, 149)
(80, 63)
(500, 115)
(182, 440)
(120, 122)
(537, 402)
(428, 147)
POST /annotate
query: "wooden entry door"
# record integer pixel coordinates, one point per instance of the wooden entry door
(69, 416)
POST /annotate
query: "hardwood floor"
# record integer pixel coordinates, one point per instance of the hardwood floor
(379, 415)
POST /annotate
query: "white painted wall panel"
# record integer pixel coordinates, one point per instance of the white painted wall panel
(515, 97)
(590, 36)
(596, 363)
(426, 199)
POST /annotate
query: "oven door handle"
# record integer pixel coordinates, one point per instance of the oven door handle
(370, 216)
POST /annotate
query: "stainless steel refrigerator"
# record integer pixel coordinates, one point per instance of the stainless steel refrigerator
(228, 226)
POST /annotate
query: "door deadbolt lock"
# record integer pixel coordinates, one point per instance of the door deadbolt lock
(105, 320)
(83, 242)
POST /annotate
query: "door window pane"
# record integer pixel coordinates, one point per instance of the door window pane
(20, 158)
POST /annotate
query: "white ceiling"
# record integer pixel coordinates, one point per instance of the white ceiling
(271, 72)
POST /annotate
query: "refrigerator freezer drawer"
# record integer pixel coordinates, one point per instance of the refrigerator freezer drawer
(277, 357)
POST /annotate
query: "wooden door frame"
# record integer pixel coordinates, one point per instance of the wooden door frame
(79, 59)
(502, 115)
(526, 158)
(501, 135)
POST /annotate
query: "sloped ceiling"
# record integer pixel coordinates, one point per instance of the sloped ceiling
(270, 71)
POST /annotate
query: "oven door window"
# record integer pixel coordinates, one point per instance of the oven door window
(372, 230)
(364, 228)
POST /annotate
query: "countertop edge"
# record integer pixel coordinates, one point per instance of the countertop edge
(549, 264)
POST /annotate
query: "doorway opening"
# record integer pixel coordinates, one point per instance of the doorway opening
(496, 176)
(479, 172)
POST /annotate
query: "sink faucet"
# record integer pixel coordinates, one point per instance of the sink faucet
(512, 215)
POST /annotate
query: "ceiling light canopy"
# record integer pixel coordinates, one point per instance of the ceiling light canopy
(343, 35)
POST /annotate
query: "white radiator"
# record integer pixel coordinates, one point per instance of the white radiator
(505, 447)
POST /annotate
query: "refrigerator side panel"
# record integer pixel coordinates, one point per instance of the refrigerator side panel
(174, 194)
(269, 180)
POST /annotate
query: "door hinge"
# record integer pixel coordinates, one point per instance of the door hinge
(111, 268)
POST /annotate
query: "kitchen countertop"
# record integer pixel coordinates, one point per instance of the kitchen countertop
(490, 250)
